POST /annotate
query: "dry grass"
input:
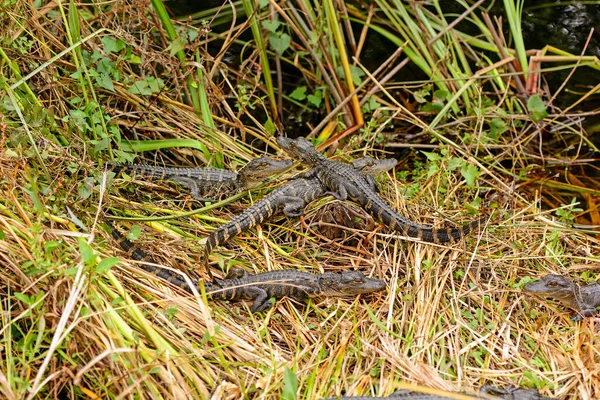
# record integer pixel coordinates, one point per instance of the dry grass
(453, 317)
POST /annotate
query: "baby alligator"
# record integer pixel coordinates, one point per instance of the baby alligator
(487, 392)
(582, 299)
(343, 181)
(290, 198)
(209, 184)
(260, 288)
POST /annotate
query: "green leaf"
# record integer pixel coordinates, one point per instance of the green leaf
(421, 95)
(441, 94)
(135, 233)
(176, 46)
(271, 26)
(435, 107)
(112, 45)
(316, 98)
(299, 93)
(270, 126)
(357, 74)
(537, 108)
(86, 187)
(87, 253)
(101, 144)
(371, 106)
(74, 27)
(280, 42)
(455, 162)
(497, 127)
(290, 384)
(433, 170)
(432, 156)
(105, 82)
(23, 297)
(147, 87)
(106, 264)
(134, 59)
(470, 173)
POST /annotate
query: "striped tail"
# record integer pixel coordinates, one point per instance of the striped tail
(149, 264)
(253, 216)
(443, 235)
(148, 171)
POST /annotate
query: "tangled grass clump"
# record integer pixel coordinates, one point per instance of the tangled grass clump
(87, 83)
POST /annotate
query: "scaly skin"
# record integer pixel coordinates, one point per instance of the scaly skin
(260, 288)
(582, 299)
(343, 182)
(209, 184)
(290, 198)
(487, 392)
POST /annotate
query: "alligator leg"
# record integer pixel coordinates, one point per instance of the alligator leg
(261, 299)
(191, 184)
(294, 206)
(585, 312)
(237, 273)
(371, 181)
(341, 194)
(260, 296)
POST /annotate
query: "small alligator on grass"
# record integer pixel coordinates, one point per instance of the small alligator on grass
(583, 299)
(260, 288)
(290, 198)
(342, 182)
(486, 393)
(209, 184)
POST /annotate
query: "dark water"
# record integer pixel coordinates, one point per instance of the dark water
(564, 25)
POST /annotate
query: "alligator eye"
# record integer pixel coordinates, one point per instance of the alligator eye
(552, 284)
(358, 280)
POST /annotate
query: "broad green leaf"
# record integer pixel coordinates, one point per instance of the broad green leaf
(441, 94)
(147, 87)
(87, 253)
(135, 233)
(106, 264)
(23, 297)
(434, 106)
(290, 384)
(315, 99)
(497, 127)
(105, 82)
(280, 42)
(270, 126)
(454, 163)
(85, 188)
(432, 156)
(357, 74)
(470, 173)
(176, 46)
(271, 26)
(299, 93)
(112, 45)
(537, 108)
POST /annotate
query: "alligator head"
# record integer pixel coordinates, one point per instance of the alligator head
(264, 167)
(555, 286)
(348, 283)
(300, 149)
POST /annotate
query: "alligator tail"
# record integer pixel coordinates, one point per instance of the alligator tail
(253, 216)
(445, 235)
(149, 264)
